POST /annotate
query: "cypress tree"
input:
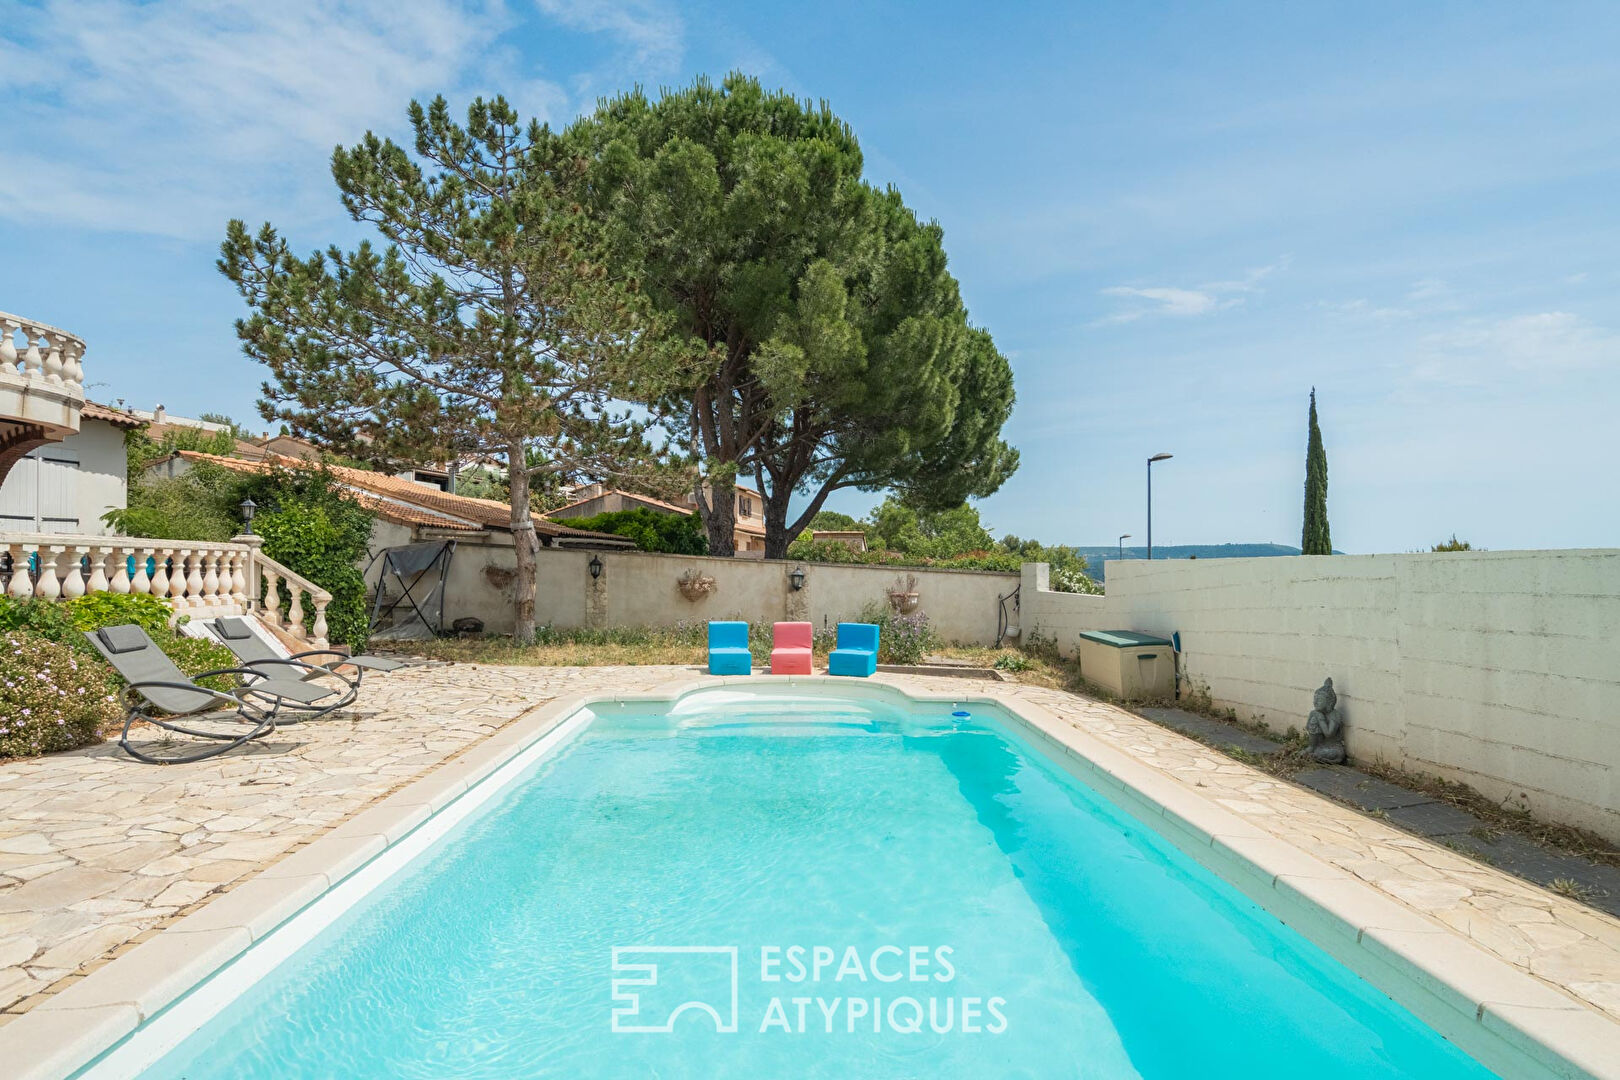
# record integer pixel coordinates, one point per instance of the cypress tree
(1316, 540)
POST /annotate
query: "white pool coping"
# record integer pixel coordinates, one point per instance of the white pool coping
(1513, 1023)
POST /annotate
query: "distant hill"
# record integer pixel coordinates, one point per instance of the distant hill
(1098, 558)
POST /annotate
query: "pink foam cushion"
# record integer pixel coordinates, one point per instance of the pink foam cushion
(791, 635)
(790, 661)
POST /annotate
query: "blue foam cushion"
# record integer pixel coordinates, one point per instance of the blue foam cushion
(728, 635)
(858, 635)
(857, 662)
(730, 662)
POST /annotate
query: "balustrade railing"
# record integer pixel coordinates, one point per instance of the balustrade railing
(202, 580)
(43, 352)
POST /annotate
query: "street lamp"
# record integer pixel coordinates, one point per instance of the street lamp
(1122, 538)
(595, 567)
(796, 578)
(1151, 460)
(247, 506)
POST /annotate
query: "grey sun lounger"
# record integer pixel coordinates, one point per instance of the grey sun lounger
(159, 693)
(236, 635)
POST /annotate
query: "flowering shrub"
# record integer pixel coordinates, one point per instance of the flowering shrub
(52, 697)
(907, 639)
(902, 639)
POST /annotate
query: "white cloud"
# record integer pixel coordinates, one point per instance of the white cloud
(169, 118)
(651, 32)
(1184, 303)
(1549, 344)
(1362, 308)
(1164, 301)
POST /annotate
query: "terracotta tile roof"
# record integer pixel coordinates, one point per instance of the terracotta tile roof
(408, 502)
(746, 526)
(249, 451)
(93, 411)
(410, 515)
(659, 504)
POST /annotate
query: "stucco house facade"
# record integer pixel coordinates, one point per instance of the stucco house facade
(748, 531)
(67, 486)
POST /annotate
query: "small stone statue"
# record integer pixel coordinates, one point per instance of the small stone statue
(1325, 728)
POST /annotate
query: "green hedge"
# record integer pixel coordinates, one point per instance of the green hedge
(804, 549)
(309, 525)
(674, 534)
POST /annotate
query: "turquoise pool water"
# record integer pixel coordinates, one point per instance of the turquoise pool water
(1049, 934)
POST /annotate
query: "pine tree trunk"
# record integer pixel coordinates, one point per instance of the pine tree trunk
(718, 508)
(777, 538)
(779, 533)
(523, 545)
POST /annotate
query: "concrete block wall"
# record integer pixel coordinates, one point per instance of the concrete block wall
(639, 589)
(1499, 669)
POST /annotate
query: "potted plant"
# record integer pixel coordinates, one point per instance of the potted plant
(695, 585)
(903, 597)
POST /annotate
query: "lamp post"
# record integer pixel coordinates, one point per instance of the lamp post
(1122, 538)
(1151, 460)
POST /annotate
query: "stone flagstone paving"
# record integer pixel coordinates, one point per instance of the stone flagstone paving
(98, 852)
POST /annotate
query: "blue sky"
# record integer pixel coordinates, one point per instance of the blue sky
(1175, 219)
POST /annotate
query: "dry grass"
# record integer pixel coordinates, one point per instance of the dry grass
(620, 646)
(1497, 817)
(687, 646)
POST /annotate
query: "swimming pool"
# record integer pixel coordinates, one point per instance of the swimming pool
(791, 885)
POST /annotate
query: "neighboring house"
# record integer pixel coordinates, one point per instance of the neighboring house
(160, 424)
(749, 529)
(593, 499)
(288, 446)
(748, 533)
(853, 539)
(66, 487)
(443, 476)
(407, 511)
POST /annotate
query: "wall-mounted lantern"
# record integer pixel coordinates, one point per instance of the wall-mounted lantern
(247, 506)
(797, 578)
(595, 567)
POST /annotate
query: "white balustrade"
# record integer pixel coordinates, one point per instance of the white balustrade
(47, 353)
(197, 579)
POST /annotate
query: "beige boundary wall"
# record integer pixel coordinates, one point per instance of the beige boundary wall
(639, 589)
(1498, 669)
